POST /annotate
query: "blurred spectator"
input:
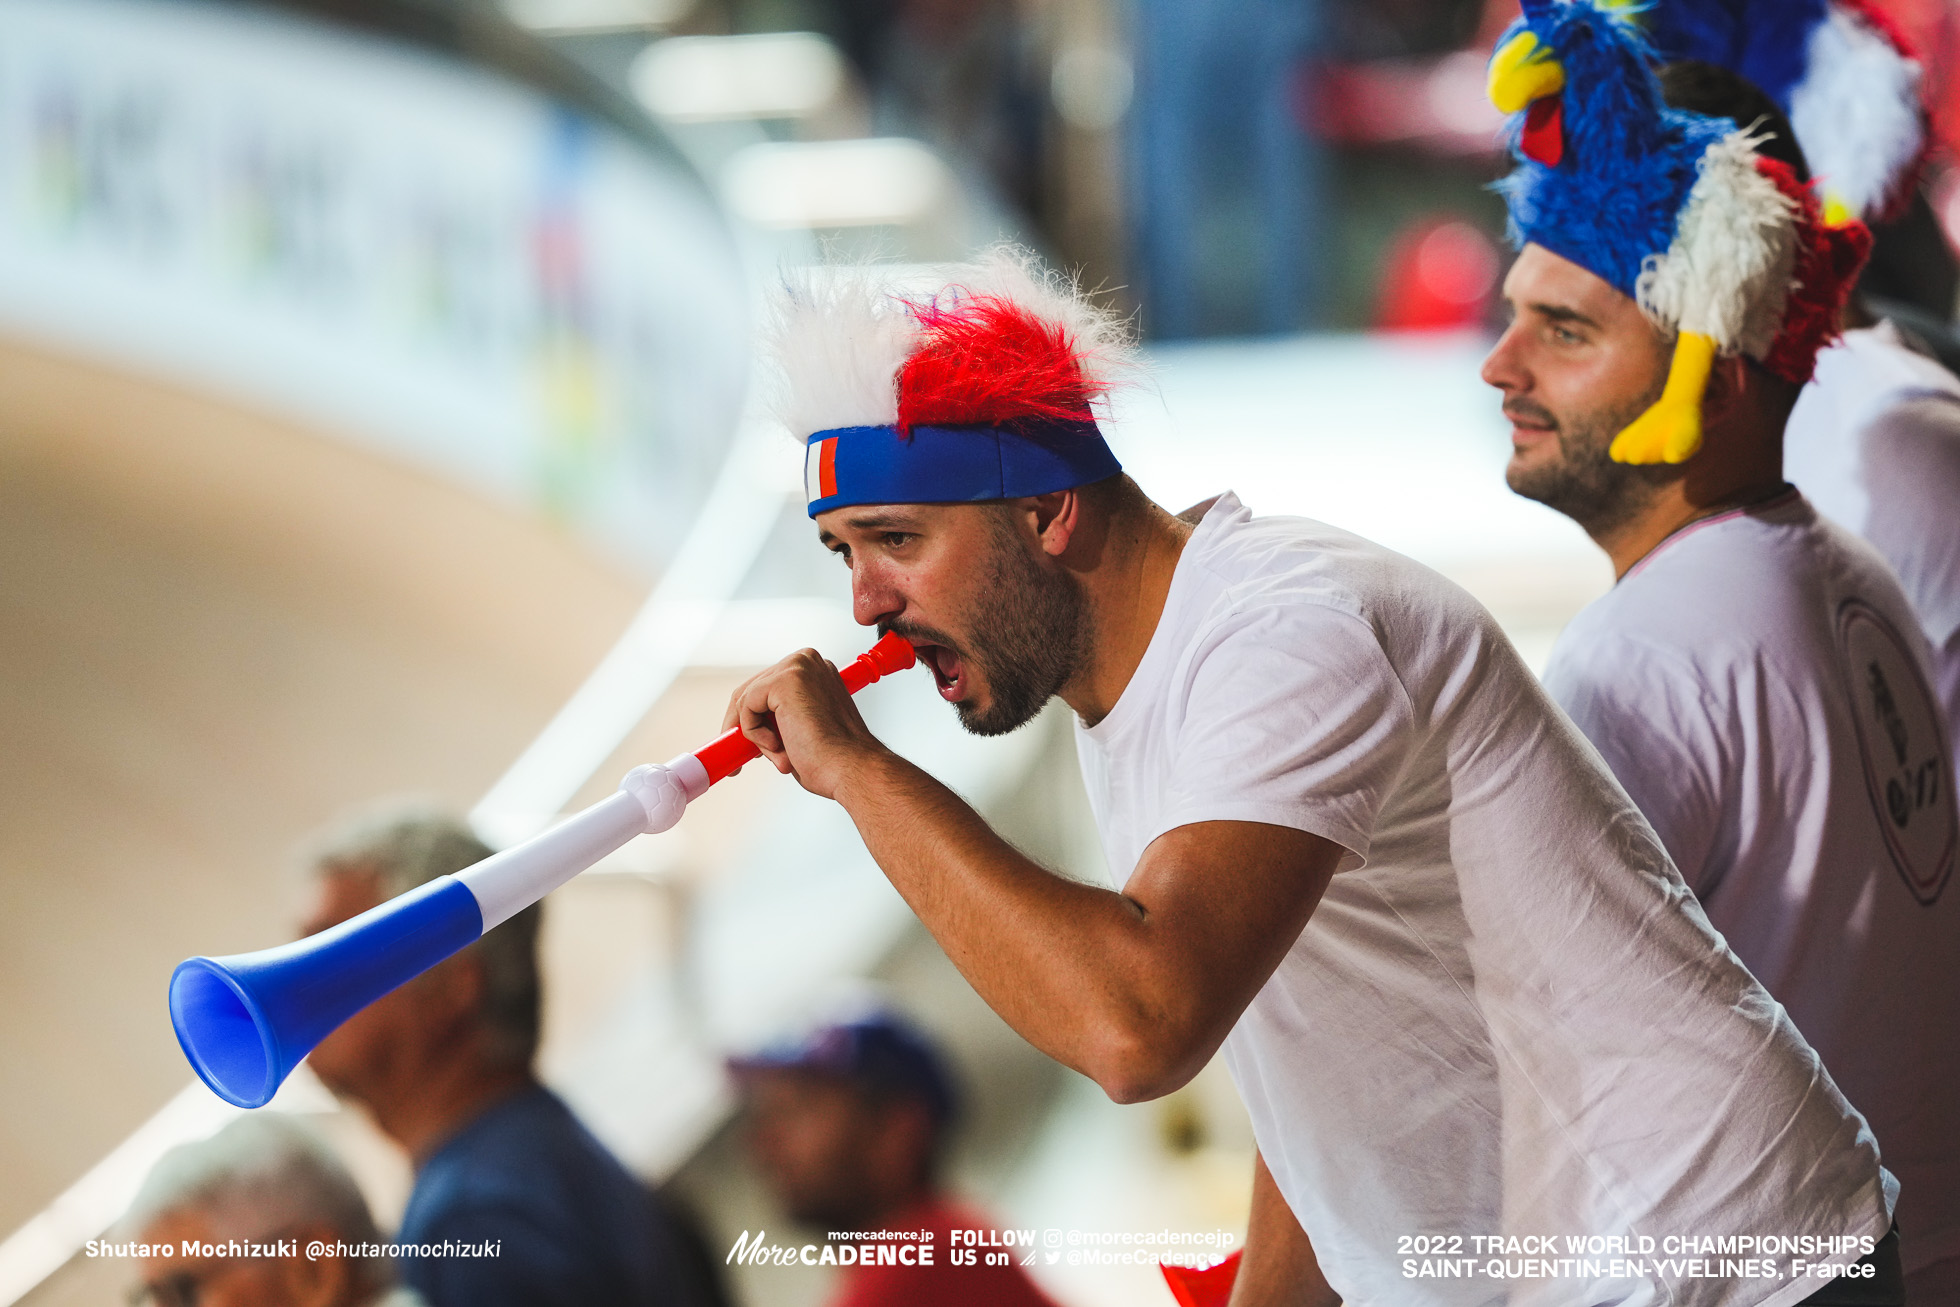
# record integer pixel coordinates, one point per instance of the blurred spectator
(1225, 188)
(848, 1126)
(959, 74)
(1909, 286)
(444, 1066)
(964, 76)
(264, 1179)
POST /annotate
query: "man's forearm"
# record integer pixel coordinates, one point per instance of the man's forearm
(1074, 968)
(1279, 1268)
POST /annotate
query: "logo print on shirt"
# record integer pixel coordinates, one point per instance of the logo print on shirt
(1888, 712)
(1902, 741)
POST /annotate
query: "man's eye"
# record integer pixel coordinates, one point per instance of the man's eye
(1567, 336)
(896, 539)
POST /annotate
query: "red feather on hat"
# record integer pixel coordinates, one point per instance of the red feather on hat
(1828, 262)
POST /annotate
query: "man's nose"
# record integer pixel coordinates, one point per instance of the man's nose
(873, 599)
(1501, 366)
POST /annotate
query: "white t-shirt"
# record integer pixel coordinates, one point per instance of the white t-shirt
(1757, 683)
(1874, 444)
(1507, 1017)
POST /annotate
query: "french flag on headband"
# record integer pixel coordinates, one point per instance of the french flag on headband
(951, 465)
(820, 469)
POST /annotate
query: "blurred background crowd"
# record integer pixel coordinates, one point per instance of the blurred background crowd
(376, 420)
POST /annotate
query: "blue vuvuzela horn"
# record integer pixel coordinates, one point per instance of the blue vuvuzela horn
(247, 1020)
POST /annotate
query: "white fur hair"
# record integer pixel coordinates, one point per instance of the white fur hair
(838, 336)
(840, 333)
(1856, 113)
(1729, 271)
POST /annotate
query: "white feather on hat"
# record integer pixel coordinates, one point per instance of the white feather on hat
(1727, 274)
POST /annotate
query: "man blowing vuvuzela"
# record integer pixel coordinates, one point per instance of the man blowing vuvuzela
(1459, 984)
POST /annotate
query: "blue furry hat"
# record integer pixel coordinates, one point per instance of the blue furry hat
(1721, 248)
(1607, 190)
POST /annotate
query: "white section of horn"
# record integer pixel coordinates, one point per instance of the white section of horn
(649, 800)
(687, 770)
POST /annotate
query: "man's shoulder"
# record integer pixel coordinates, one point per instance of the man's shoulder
(1884, 362)
(569, 1224)
(527, 1154)
(1738, 574)
(1736, 594)
(1311, 570)
(1911, 447)
(1235, 542)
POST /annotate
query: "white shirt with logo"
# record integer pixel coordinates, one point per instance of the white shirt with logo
(1874, 444)
(1508, 1017)
(1758, 684)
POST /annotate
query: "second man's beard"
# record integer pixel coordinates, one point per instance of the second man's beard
(1585, 483)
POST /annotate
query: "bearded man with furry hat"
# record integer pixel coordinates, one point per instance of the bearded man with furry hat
(1756, 678)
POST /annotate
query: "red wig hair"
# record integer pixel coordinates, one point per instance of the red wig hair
(982, 360)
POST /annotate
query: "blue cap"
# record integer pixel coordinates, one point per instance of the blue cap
(880, 1052)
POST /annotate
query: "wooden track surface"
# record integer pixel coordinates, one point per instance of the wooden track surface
(218, 630)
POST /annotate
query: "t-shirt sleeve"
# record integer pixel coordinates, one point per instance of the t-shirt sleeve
(1651, 722)
(1293, 717)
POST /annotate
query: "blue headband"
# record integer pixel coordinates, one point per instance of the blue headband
(951, 465)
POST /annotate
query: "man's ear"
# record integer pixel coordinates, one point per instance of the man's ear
(1727, 382)
(1057, 517)
(316, 1280)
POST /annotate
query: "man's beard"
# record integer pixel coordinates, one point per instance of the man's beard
(1584, 483)
(1029, 634)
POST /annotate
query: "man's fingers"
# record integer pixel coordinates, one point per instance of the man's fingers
(751, 700)
(803, 694)
(757, 721)
(769, 742)
(764, 736)
(737, 699)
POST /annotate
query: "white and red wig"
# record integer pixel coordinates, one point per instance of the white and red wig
(945, 384)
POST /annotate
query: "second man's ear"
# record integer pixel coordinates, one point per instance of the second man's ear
(1727, 381)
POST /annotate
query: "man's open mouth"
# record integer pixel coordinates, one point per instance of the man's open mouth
(946, 670)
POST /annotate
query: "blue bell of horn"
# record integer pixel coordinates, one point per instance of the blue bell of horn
(247, 1020)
